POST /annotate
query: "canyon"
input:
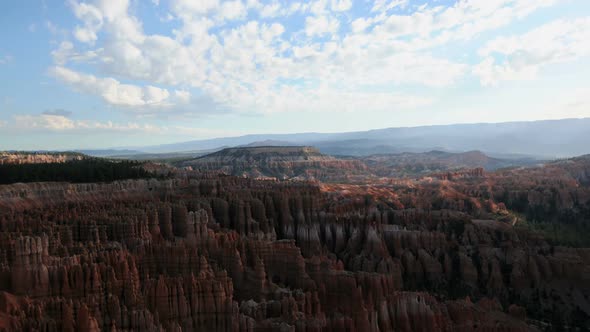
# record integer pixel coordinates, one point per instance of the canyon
(210, 248)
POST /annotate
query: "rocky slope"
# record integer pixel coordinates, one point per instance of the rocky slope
(307, 163)
(420, 164)
(7, 158)
(279, 162)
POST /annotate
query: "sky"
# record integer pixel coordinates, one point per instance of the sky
(112, 73)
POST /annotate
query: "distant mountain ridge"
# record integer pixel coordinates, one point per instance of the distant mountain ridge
(269, 142)
(107, 152)
(543, 139)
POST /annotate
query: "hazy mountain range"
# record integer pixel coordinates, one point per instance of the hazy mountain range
(542, 139)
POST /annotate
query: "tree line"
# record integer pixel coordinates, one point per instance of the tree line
(76, 171)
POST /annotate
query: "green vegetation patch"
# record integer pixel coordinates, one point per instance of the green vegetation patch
(572, 235)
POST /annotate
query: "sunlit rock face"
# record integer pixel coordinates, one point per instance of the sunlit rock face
(280, 163)
(224, 253)
(10, 158)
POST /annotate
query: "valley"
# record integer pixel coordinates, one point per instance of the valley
(289, 239)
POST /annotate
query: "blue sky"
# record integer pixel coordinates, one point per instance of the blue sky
(106, 73)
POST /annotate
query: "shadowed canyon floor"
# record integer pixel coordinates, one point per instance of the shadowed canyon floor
(456, 250)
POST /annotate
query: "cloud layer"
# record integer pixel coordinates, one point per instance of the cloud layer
(62, 124)
(116, 93)
(256, 57)
(523, 56)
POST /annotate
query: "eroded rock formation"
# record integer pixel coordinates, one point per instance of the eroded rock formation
(7, 158)
(280, 163)
(224, 253)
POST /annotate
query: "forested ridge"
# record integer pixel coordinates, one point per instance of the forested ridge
(77, 171)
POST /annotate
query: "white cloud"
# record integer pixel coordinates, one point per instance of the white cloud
(44, 121)
(24, 124)
(341, 5)
(523, 56)
(67, 52)
(250, 66)
(276, 9)
(270, 10)
(116, 93)
(232, 10)
(92, 19)
(385, 5)
(321, 25)
(189, 8)
(59, 123)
